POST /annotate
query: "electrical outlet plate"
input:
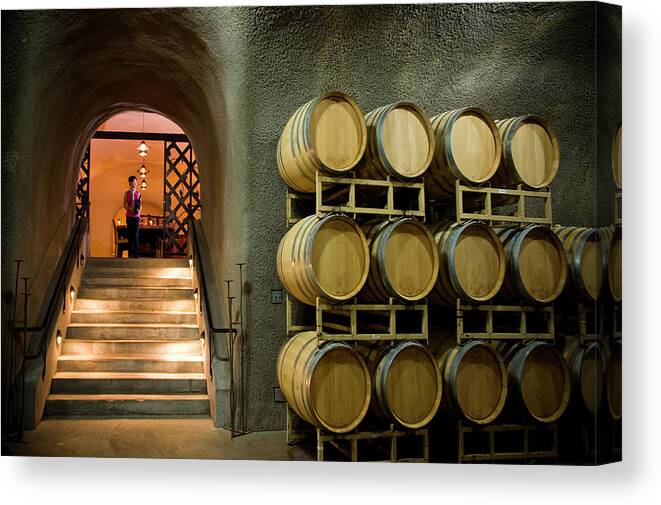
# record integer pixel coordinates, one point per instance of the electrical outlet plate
(276, 296)
(277, 395)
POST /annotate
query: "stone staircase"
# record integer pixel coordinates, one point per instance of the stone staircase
(132, 348)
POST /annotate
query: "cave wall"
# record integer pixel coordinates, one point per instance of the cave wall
(230, 77)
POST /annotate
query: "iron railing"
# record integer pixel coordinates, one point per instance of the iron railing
(230, 331)
(17, 353)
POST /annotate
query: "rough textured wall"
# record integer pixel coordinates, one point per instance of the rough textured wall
(64, 73)
(509, 59)
(609, 106)
(234, 75)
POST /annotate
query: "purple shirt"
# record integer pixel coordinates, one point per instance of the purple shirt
(130, 197)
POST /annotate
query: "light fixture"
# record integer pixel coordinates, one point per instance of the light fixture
(119, 221)
(143, 185)
(58, 339)
(151, 222)
(143, 171)
(190, 261)
(143, 148)
(72, 293)
(195, 294)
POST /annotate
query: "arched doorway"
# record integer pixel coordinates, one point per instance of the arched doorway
(157, 151)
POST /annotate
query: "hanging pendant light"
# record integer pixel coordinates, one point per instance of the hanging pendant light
(143, 186)
(143, 171)
(143, 148)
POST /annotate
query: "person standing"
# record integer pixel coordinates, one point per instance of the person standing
(132, 205)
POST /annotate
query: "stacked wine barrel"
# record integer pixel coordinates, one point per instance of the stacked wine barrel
(377, 260)
(613, 239)
(593, 290)
(481, 264)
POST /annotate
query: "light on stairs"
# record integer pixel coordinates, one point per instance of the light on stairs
(190, 261)
(58, 339)
(72, 293)
(195, 294)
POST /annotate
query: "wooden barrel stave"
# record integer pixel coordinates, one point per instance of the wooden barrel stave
(327, 134)
(406, 383)
(614, 381)
(538, 380)
(386, 153)
(526, 139)
(403, 260)
(587, 260)
(451, 162)
(325, 257)
(475, 382)
(586, 366)
(337, 401)
(474, 281)
(613, 239)
(536, 264)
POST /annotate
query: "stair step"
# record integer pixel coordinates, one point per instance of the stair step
(138, 262)
(128, 383)
(130, 363)
(126, 405)
(135, 281)
(92, 270)
(126, 331)
(131, 346)
(128, 304)
(136, 317)
(131, 292)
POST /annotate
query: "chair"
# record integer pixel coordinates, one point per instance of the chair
(119, 244)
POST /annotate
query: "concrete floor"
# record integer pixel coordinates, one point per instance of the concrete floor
(195, 438)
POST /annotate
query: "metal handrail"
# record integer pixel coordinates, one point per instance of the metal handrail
(48, 319)
(44, 329)
(204, 298)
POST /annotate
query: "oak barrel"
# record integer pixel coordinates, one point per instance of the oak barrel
(325, 257)
(466, 148)
(587, 369)
(613, 238)
(536, 264)
(616, 158)
(539, 380)
(474, 382)
(614, 381)
(326, 134)
(530, 152)
(406, 382)
(472, 263)
(587, 259)
(403, 260)
(329, 385)
(400, 142)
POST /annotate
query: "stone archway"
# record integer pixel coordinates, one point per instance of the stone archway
(95, 64)
(168, 179)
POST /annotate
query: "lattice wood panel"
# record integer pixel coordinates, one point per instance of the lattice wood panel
(83, 188)
(181, 199)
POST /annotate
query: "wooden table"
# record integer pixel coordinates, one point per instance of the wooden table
(152, 235)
